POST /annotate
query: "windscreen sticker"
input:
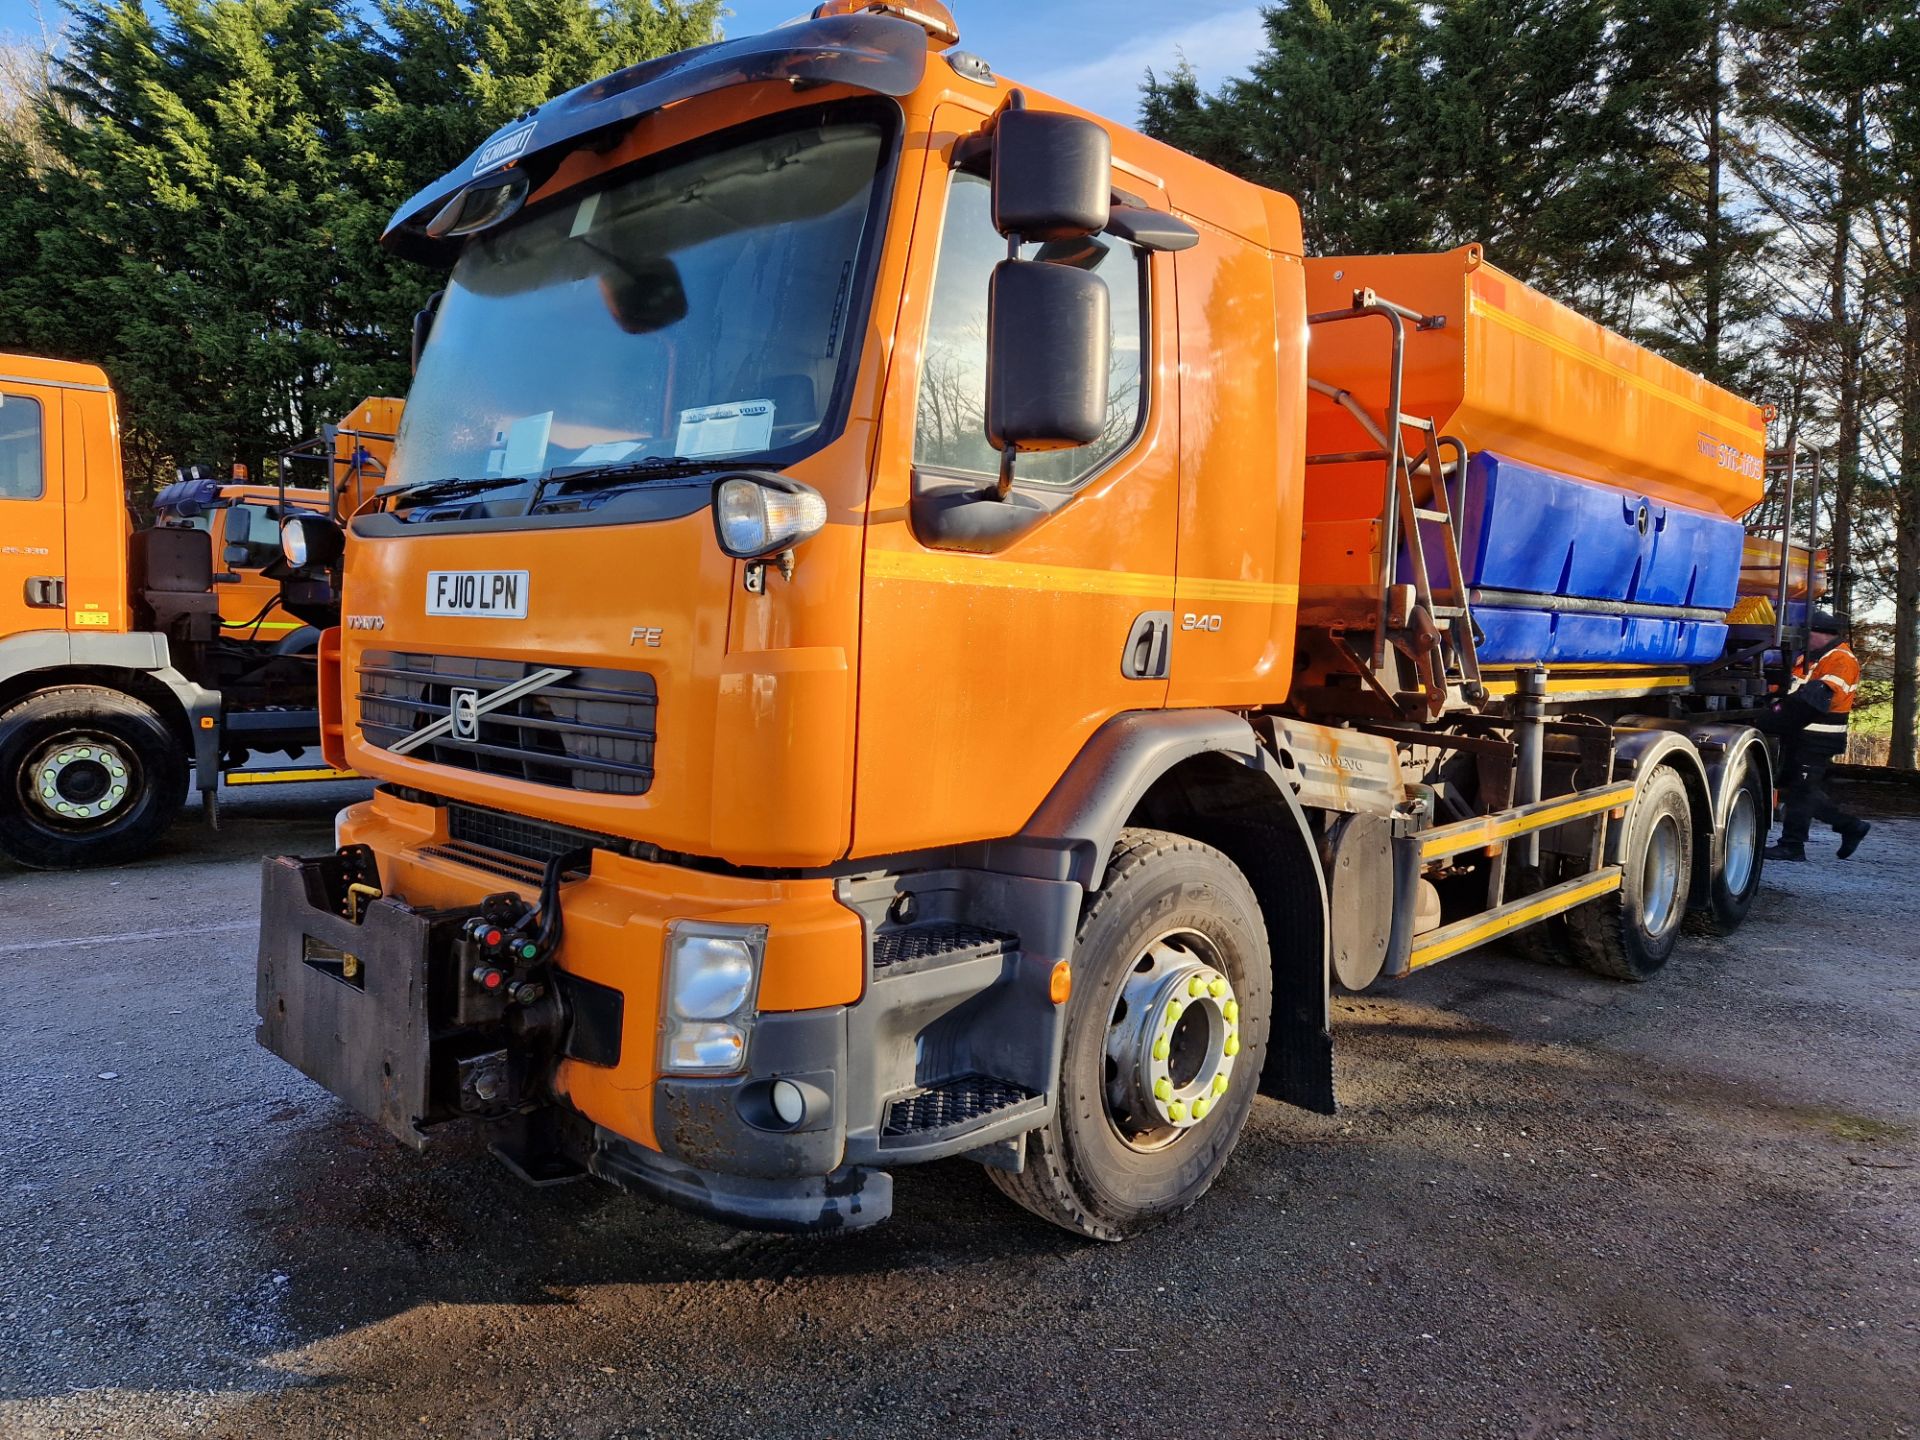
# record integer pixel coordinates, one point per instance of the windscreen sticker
(734, 428)
(526, 447)
(607, 452)
(583, 217)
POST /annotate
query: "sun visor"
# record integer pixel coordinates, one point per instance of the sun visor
(877, 53)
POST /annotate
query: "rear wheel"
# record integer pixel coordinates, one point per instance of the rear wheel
(1743, 843)
(88, 776)
(1166, 1032)
(1630, 934)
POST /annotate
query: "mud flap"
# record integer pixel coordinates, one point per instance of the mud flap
(348, 1005)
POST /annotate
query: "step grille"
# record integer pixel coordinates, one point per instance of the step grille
(936, 940)
(952, 1103)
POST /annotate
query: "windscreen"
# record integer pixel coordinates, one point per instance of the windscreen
(699, 309)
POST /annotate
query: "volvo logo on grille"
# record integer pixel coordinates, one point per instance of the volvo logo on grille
(466, 714)
(462, 720)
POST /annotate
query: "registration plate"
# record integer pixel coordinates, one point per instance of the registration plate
(501, 594)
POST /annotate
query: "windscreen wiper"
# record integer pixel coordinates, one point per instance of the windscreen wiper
(653, 467)
(453, 487)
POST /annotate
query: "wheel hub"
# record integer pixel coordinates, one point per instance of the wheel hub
(1172, 1041)
(1742, 842)
(76, 781)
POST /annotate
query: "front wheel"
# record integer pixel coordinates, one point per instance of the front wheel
(1630, 934)
(88, 776)
(1166, 1031)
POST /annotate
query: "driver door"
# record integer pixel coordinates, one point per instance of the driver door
(982, 675)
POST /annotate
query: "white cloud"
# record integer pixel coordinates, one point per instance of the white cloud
(1219, 47)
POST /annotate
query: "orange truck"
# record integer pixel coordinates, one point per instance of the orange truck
(908, 621)
(130, 666)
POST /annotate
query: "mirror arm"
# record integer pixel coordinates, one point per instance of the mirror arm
(1008, 453)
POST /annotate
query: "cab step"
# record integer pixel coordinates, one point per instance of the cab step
(937, 941)
(955, 1106)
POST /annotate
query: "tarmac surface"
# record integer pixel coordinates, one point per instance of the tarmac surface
(1552, 1206)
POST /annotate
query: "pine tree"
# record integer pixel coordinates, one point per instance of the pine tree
(204, 216)
(1330, 113)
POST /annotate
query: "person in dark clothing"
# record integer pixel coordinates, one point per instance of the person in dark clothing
(1811, 724)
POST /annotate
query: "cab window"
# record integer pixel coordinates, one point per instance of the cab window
(22, 463)
(262, 542)
(950, 427)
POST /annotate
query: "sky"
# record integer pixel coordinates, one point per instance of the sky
(1091, 52)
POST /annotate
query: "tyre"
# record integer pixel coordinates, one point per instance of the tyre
(1743, 844)
(1545, 942)
(1166, 1031)
(88, 776)
(1630, 934)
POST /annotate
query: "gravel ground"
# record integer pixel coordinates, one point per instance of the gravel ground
(1552, 1206)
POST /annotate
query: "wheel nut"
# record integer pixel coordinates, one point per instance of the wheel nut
(1216, 987)
(1231, 1010)
(1219, 1084)
(1200, 1108)
(1177, 1112)
(1161, 1048)
(1232, 1047)
(1194, 987)
(1163, 1090)
(1173, 1010)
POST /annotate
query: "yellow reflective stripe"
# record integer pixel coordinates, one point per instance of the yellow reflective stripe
(287, 777)
(1252, 592)
(1455, 841)
(1453, 944)
(937, 568)
(1599, 682)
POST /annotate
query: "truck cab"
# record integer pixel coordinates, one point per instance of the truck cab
(133, 662)
(880, 725)
(242, 521)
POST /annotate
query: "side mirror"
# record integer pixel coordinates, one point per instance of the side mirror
(1049, 342)
(239, 525)
(236, 555)
(423, 325)
(1052, 175)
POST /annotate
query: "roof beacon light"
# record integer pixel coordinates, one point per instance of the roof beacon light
(930, 15)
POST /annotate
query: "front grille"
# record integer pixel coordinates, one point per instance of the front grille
(513, 848)
(592, 730)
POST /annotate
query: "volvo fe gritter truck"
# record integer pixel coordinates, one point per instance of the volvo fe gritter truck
(907, 621)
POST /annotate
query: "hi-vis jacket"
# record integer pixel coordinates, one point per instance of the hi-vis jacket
(1837, 674)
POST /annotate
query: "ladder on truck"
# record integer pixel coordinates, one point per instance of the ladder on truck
(1437, 624)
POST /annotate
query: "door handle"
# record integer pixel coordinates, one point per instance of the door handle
(47, 592)
(1149, 649)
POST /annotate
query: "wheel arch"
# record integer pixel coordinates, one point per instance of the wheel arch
(1205, 774)
(1709, 755)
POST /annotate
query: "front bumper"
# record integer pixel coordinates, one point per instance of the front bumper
(948, 1044)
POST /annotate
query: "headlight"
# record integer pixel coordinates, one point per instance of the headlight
(293, 543)
(712, 973)
(311, 541)
(756, 516)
